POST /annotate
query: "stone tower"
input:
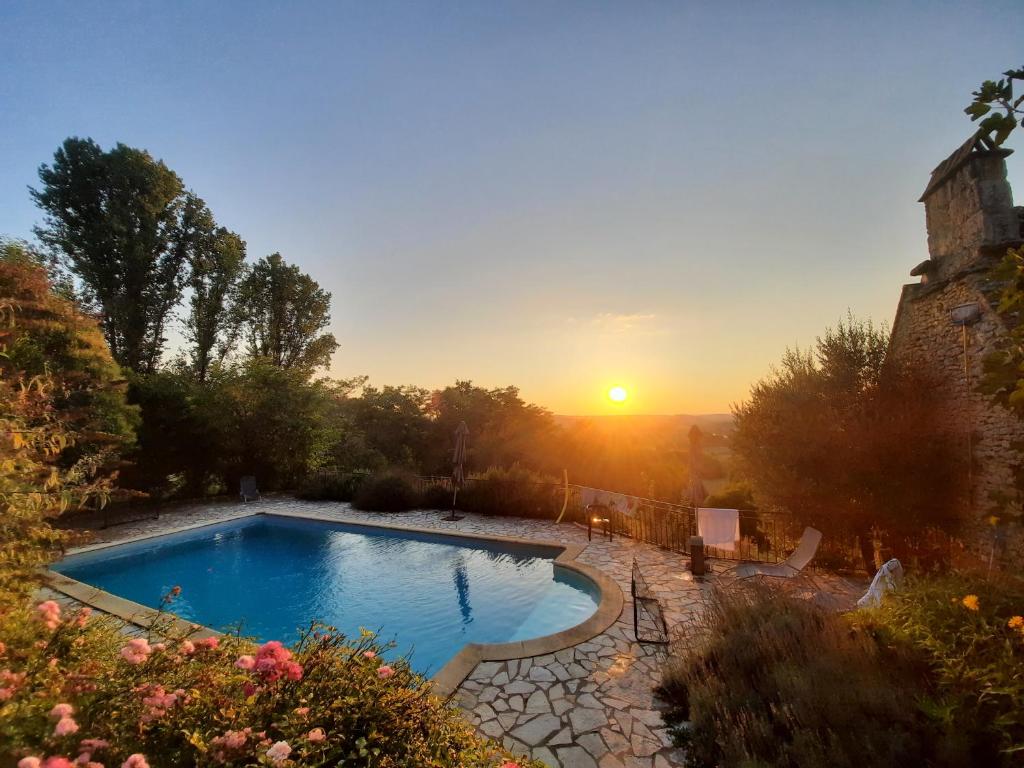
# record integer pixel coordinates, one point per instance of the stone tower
(946, 324)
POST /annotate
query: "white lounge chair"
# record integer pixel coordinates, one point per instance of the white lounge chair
(796, 562)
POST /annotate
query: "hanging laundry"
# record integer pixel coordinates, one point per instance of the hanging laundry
(595, 497)
(720, 528)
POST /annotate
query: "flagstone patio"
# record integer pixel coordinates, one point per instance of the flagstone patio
(588, 706)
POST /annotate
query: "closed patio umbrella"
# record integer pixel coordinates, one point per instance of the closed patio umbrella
(458, 465)
(696, 492)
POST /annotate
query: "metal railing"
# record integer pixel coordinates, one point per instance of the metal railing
(764, 537)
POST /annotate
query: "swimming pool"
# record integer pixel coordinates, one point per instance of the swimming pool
(431, 593)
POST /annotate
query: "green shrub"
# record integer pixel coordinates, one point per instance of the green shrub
(389, 491)
(971, 632)
(72, 685)
(436, 497)
(777, 682)
(513, 491)
(332, 487)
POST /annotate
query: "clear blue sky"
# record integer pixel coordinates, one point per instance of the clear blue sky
(555, 195)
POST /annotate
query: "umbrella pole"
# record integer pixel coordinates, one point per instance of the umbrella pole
(455, 494)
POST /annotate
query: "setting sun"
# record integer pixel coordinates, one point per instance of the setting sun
(618, 394)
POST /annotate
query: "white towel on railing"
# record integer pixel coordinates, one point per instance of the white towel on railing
(617, 501)
(719, 527)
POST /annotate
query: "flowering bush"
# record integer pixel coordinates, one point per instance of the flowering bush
(971, 632)
(75, 689)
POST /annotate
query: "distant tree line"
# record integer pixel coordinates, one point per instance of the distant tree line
(136, 248)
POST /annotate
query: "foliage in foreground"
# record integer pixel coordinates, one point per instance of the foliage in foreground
(778, 682)
(970, 631)
(73, 686)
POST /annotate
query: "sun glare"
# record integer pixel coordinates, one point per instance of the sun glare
(618, 394)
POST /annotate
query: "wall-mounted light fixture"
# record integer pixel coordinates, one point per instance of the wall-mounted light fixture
(965, 314)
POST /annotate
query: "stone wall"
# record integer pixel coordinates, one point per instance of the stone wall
(971, 222)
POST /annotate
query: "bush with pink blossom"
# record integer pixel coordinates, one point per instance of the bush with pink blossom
(81, 693)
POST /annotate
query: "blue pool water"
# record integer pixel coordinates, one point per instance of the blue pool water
(273, 575)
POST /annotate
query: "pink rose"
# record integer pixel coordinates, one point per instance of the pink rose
(316, 735)
(279, 752)
(29, 762)
(48, 612)
(57, 762)
(369, 655)
(135, 761)
(62, 710)
(210, 643)
(187, 647)
(510, 765)
(136, 651)
(65, 726)
(384, 672)
(246, 662)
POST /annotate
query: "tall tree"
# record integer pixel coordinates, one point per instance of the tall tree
(282, 313)
(217, 259)
(115, 216)
(849, 442)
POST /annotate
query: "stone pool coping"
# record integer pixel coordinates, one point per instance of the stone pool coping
(447, 679)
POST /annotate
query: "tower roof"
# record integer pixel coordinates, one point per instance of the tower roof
(975, 146)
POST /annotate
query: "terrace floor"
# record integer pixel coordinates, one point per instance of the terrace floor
(588, 706)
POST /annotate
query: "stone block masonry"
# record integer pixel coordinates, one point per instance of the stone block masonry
(971, 223)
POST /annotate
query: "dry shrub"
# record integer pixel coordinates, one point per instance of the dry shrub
(776, 681)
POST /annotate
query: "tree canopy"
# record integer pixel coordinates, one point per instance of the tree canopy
(847, 441)
(283, 314)
(116, 217)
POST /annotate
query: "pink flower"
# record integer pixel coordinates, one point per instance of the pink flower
(57, 762)
(3, 649)
(302, 711)
(29, 762)
(6, 694)
(65, 726)
(82, 617)
(135, 761)
(510, 765)
(159, 646)
(209, 643)
(292, 670)
(278, 752)
(316, 735)
(136, 651)
(48, 612)
(62, 710)
(384, 672)
(369, 655)
(187, 647)
(246, 662)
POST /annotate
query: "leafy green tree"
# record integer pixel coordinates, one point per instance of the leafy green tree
(52, 339)
(850, 443)
(63, 417)
(217, 259)
(115, 217)
(283, 313)
(994, 104)
(391, 422)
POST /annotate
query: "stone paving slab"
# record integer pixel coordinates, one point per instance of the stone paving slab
(588, 706)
